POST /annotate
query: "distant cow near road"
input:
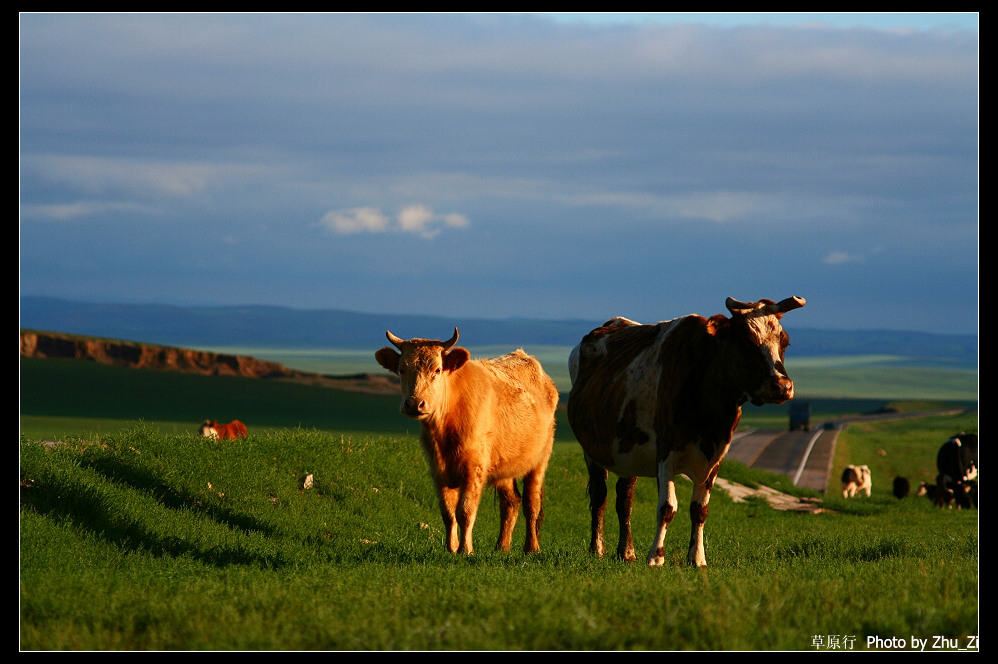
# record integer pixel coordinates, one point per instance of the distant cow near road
(856, 479)
(232, 430)
(663, 399)
(481, 422)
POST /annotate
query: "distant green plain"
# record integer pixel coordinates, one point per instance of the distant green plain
(853, 376)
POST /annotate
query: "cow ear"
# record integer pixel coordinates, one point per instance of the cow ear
(455, 358)
(388, 358)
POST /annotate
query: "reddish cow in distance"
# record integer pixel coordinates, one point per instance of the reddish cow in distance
(663, 399)
(231, 431)
(481, 422)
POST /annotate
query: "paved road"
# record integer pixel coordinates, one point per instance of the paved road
(805, 456)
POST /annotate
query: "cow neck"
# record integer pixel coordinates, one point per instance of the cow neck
(730, 388)
(436, 422)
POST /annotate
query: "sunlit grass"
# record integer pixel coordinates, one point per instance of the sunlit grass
(137, 535)
(144, 540)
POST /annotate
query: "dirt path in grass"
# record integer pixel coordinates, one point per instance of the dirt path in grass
(776, 499)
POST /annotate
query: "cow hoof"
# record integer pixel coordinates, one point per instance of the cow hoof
(694, 561)
(656, 561)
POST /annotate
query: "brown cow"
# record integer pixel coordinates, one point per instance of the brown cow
(482, 421)
(232, 430)
(659, 400)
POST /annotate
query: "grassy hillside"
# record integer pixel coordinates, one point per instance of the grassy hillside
(69, 388)
(142, 541)
(135, 534)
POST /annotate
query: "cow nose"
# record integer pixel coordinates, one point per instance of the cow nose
(787, 389)
(776, 390)
(413, 407)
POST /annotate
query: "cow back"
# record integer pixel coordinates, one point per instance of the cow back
(644, 388)
(523, 396)
(499, 411)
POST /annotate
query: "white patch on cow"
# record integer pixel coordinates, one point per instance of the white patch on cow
(209, 432)
(641, 379)
(666, 496)
(573, 363)
(766, 330)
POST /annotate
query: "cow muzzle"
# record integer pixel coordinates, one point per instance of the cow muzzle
(777, 390)
(414, 407)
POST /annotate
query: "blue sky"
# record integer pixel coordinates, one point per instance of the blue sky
(506, 165)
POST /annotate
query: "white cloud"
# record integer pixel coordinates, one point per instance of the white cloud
(103, 176)
(838, 257)
(415, 219)
(82, 210)
(355, 220)
(455, 220)
(418, 219)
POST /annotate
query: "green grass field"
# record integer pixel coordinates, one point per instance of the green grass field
(137, 535)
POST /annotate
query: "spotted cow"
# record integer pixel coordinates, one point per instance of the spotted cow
(856, 479)
(481, 422)
(663, 399)
(956, 461)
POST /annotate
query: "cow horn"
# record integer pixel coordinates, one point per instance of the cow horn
(789, 304)
(395, 340)
(450, 342)
(737, 307)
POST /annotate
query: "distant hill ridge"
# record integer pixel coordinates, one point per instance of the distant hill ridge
(282, 327)
(133, 355)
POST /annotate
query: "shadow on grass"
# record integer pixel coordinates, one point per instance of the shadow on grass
(85, 503)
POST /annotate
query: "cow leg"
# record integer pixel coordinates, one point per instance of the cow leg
(667, 505)
(448, 510)
(597, 505)
(467, 509)
(533, 506)
(625, 500)
(509, 508)
(698, 516)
